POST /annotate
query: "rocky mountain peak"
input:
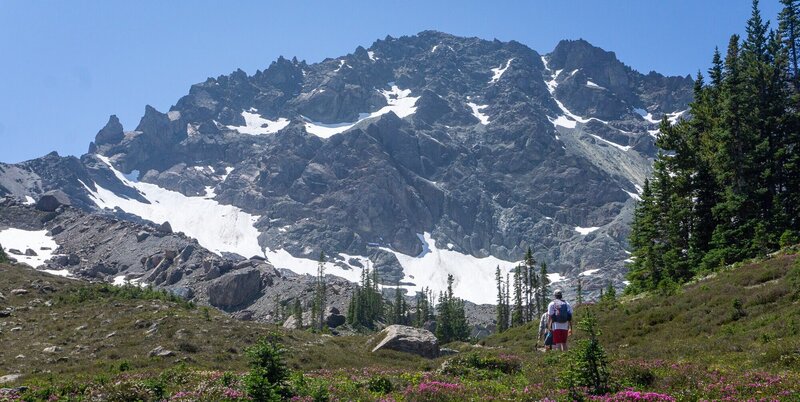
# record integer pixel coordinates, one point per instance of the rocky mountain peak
(421, 155)
(111, 133)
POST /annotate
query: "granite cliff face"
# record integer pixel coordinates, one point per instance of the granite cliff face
(421, 156)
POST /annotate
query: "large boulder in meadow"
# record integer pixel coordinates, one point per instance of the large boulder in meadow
(407, 339)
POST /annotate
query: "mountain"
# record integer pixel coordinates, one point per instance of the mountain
(419, 156)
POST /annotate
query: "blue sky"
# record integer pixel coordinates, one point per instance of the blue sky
(67, 66)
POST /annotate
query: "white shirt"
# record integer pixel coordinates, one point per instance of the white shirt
(543, 324)
(551, 310)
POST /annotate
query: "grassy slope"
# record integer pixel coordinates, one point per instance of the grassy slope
(699, 323)
(116, 323)
(697, 328)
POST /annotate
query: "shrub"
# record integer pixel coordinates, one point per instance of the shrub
(188, 347)
(434, 391)
(266, 380)
(380, 384)
(477, 363)
(587, 367)
(789, 238)
(3, 256)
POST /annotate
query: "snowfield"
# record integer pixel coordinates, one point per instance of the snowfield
(476, 111)
(257, 125)
(225, 228)
(474, 278)
(398, 101)
(499, 71)
(585, 231)
(38, 241)
(216, 227)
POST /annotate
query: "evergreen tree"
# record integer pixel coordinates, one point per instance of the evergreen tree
(517, 315)
(579, 292)
(451, 321)
(532, 299)
(508, 301)
(366, 306)
(4, 257)
(298, 313)
(320, 298)
(544, 290)
(502, 320)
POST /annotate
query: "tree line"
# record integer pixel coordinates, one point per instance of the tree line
(530, 287)
(726, 182)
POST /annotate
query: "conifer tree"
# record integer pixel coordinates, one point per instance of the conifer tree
(517, 315)
(544, 289)
(298, 313)
(451, 322)
(579, 292)
(502, 320)
(320, 298)
(532, 301)
(4, 257)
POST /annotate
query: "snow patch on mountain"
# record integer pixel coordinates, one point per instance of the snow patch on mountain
(589, 272)
(585, 231)
(632, 195)
(398, 101)
(219, 228)
(592, 85)
(476, 111)
(37, 240)
(257, 125)
(563, 121)
(430, 269)
(499, 71)
(646, 115)
(280, 258)
(29, 200)
(613, 144)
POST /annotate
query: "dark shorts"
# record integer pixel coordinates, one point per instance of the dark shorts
(560, 336)
(548, 339)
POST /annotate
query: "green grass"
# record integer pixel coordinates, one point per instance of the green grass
(701, 323)
(734, 334)
(99, 327)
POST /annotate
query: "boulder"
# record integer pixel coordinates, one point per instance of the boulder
(18, 292)
(142, 236)
(159, 351)
(56, 230)
(52, 349)
(10, 378)
(243, 315)
(30, 253)
(235, 288)
(51, 200)
(183, 292)
(407, 339)
(164, 228)
(333, 318)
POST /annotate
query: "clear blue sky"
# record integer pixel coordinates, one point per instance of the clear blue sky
(66, 66)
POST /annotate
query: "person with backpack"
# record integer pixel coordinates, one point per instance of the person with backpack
(559, 323)
(544, 332)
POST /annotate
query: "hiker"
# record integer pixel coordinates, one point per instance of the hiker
(543, 331)
(559, 320)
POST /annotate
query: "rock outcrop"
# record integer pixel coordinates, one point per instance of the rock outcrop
(408, 340)
(235, 288)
